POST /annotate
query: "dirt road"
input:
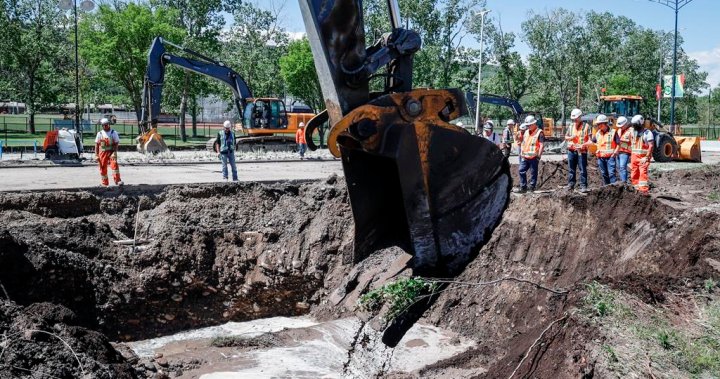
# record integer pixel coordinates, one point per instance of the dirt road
(37, 178)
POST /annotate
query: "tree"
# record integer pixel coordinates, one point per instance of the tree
(36, 53)
(442, 26)
(512, 73)
(253, 47)
(298, 71)
(116, 41)
(202, 22)
(559, 46)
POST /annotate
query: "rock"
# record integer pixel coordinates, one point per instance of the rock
(162, 362)
(177, 297)
(169, 316)
(158, 355)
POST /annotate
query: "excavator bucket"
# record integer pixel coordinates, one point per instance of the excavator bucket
(688, 149)
(151, 142)
(419, 182)
(414, 180)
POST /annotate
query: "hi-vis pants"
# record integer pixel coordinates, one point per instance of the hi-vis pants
(639, 173)
(105, 158)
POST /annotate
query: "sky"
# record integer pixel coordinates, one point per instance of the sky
(697, 22)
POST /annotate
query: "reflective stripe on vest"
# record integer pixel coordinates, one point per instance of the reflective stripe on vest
(605, 144)
(639, 146)
(625, 141)
(531, 144)
(579, 136)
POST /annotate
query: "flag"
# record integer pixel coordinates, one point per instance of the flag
(679, 85)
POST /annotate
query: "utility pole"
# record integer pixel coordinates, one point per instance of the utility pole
(477, 102)
(675, 5)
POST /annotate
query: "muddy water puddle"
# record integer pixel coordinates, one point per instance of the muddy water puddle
(297, 347)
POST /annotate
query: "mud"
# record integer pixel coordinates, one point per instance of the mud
(208, 254)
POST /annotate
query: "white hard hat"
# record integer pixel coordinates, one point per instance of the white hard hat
(523, 126)
(104, 121)
(621, 121)
(638, 119)
(459, 123)
(601, 119)
(301, 125)
(227, 124)
(510, 122)
(529, 120)
(575, 114)
(488, 126)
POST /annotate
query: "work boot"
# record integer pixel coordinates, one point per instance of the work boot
(584, 190)
(120, 183)
(568, 187)
(520, 189)
(532, 189)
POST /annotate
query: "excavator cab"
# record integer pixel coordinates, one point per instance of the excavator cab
(265, 113)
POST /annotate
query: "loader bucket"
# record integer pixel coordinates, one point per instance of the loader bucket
(151, 143)
(688, 149)
(418, 182)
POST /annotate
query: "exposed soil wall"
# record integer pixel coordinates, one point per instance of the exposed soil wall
(216, 253)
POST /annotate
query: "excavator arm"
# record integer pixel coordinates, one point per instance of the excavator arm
(414, 179)
(158, 59)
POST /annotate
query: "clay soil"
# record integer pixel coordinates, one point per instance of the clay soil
(208, 254)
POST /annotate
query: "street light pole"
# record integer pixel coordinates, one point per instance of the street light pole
(477, 102)
(77, 75)
(86, 5)
(675, 5)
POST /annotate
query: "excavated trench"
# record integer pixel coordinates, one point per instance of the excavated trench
(209, 254)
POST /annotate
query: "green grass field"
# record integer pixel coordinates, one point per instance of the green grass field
(13, 132)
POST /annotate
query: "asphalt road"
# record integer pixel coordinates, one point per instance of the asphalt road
(86, 176)
(40, 176)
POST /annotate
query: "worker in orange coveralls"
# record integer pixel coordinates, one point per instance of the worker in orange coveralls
(106, 146)
(300, 140)
(641, 144)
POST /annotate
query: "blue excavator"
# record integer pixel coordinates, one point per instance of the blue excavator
(264, 121)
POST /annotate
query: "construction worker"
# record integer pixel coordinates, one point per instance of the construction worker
(490, 135)
(225, 146)
(106, 147)
(518, 137)
(578, 140)
(608, 143)
(624, 131)
(507, 137)
(532, 144)
(300, 140)
(641, 147)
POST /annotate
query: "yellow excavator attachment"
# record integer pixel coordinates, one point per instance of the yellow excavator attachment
(151, 142)
(688, 149)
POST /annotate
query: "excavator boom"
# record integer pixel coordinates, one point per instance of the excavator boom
(261, 114)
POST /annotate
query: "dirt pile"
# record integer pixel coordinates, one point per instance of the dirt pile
(45, 340)
(638, 245)
(211, 253)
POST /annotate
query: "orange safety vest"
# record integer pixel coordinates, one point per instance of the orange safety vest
(579, 137)
(300, 136)
(531, 144)
(605, 144)
(106, 142)
(639, 145)
(625, 141)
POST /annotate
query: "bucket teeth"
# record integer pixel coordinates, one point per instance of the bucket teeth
(418, 182)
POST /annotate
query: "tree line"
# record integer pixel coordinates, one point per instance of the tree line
(573, 57)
